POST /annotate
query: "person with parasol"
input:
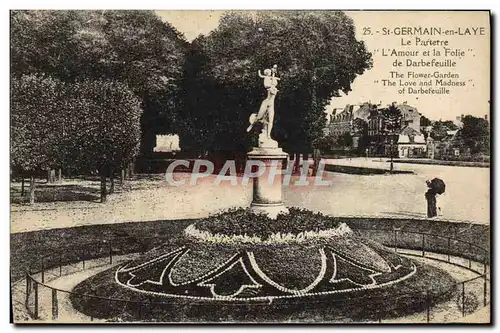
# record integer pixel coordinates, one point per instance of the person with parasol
(435, 186)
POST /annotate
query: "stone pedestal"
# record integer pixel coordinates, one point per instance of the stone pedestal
(267, 188)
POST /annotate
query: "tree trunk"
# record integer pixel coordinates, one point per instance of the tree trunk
(296, 167)
(103, 186)
(112, 181)
(32, 190)
(22, 187)
(59, 175)
(131, 169)
(52, 175)
(48, 176)
(390, 152)
(122, 175)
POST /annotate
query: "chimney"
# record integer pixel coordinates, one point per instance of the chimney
(485, 117)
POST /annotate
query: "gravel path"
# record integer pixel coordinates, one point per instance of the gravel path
(467, 198)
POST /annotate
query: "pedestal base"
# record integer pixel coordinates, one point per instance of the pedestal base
(267, 191)
(271, 210)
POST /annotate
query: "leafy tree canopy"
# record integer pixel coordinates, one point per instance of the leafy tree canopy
(132, 47)
(86, 125)
(476, 134)
(317, 56)
(391, 119)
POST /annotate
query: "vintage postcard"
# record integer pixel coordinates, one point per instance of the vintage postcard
(289, 166)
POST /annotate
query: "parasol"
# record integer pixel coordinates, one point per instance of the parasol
(437, 185)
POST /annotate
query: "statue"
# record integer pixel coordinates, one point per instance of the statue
(265, 115)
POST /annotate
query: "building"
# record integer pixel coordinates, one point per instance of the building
(431, 147)
(411, 143)
(410, 118)
(341, 121)
(451, 147)
(459, 121)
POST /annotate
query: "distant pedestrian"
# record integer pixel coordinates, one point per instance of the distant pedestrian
(430, 196)
(436, 186)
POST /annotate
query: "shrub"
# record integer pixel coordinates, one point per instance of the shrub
(244, 222)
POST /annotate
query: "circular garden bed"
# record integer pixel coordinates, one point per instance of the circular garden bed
(238, 266)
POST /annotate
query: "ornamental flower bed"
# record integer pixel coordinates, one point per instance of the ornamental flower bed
(239, 258)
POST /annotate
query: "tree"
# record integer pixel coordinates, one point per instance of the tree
(35, 103)
(360, 130)
(345, 140)
(449, 124)
(440, 129)
(317, 56)
(475, 134)
(391, 125)
(101, 127)
(327, 143)
(424, 121)
(132, 47)
(86, 125)
(149, 56)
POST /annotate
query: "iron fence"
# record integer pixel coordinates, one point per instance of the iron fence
(44, 302)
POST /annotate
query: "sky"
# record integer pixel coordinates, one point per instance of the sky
(473, 68)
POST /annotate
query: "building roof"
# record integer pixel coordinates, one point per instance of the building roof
(362, 112)
(407, 130)
(405, 108)
(410, 135)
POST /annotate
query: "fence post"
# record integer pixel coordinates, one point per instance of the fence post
(110, 253)
(428, 303)
(43, 272)
(470, 255)
(485, 290)
(423, 245)
(484, 263)
(55, 305)
(449, 259)
(36, 299)
(27, 288)
(396, 240)
(463, 299)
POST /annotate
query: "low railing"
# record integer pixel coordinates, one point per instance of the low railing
(43, 302)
